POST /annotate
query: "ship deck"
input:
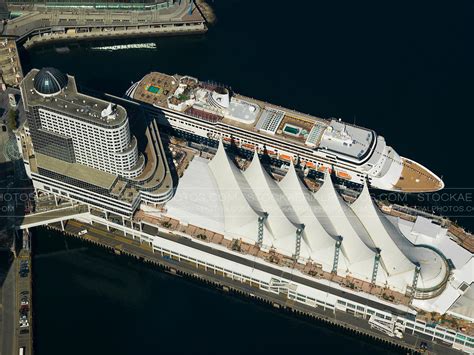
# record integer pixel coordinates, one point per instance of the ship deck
(416, 178)
(155, 88)
(269, 120)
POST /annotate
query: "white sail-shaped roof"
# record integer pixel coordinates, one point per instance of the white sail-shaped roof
(379, 228)
(306, 209)
(354, 244)
(320, 242)
(281, 218)
(399, 256)
(240, 212)
(433, 265)
(324, 218)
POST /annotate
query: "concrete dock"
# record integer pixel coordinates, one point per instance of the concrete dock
(114, 240)
(38, 25)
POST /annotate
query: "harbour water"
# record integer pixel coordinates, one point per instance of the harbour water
(91, 301)
(404, 70)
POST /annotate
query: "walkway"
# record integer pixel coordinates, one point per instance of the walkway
(99, 235)
(57, 215)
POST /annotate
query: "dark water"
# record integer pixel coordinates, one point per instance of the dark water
(403, 68)
(88, 301)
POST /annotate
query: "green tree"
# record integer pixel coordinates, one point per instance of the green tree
(12, 119)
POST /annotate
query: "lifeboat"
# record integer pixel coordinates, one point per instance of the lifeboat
(324, 168)
(310, 165)
(248, 146)
(343, 175)
(271, 153)
(285, 157)
(228, 140)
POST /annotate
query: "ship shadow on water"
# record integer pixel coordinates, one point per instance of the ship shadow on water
(137, 43)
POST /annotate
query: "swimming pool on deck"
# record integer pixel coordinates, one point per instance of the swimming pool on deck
(153, 89)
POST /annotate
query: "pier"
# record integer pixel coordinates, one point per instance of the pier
(38, 25)
(125, 244)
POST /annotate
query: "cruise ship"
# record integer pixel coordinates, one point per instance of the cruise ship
(205, 112)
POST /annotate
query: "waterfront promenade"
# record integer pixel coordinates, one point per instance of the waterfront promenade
(37, 26)
(41, 26)
(114, 240)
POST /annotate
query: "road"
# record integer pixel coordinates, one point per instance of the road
(8, 314)
(24, 335)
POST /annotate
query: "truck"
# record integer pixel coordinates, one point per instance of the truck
(388, 326)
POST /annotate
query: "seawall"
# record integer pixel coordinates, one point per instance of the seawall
(143, 252)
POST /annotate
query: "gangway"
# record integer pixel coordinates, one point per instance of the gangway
(53, 216)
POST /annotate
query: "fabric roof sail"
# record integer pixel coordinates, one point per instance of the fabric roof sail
(354, 243)
(321, 241)
(307, 211)
(379, 228)
(281, 219)
(323, 217)
(240, 216)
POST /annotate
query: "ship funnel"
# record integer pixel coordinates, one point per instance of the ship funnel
(220, 97)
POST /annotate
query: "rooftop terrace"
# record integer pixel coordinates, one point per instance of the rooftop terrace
(70, 102)
(76, 171)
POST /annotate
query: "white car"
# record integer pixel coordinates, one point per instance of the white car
(82, 232)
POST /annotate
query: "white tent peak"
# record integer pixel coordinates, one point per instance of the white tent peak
(380, 230)
(356, 244)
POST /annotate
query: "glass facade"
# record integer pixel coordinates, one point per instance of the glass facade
(49, 143)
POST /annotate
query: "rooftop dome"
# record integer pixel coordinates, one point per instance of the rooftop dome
(50, 81)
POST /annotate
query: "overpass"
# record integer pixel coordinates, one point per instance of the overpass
(53, 216)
